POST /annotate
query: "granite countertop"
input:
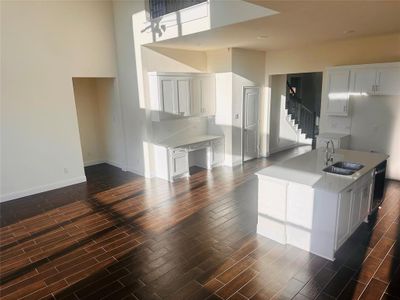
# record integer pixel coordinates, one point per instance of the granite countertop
(307, 169)
(177, 141)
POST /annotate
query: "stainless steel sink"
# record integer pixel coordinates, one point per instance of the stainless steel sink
(343, 168)
(348, 165)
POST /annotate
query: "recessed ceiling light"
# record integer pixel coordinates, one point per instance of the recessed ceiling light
(349, 31)
(262, 37)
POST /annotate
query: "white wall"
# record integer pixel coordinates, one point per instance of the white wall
(111, 122)
(235, 69)
(44, 45)
(248, 71)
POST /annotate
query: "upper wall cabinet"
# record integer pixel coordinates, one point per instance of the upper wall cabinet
(388, 81)
(359, 80)
(376, 80)
(176, 95)
(338, 92)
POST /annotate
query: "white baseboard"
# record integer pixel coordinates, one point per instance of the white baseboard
(93, 162)
(42, 188)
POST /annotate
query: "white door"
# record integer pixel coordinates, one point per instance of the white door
(250, 123)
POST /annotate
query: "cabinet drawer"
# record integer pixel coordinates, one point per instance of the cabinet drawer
(199, 145)
(178, 152)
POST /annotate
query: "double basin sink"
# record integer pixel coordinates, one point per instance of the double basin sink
(343, 168)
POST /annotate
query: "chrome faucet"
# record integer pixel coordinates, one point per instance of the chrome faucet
(329, 155)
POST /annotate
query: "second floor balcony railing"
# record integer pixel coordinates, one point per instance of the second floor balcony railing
(159, 8)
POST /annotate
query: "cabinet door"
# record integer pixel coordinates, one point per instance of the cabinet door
(218, 151)
(338, 92)
(356, 199)
(195, 105)
(343, 219)
(179, 164)
(184, 94)
(208, 96)
(364, 81)
(168, 95)
(388, 82)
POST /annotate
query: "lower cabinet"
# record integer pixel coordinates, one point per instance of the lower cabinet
(179, 163)
(344, 215)
(353, 207)
(173, 163)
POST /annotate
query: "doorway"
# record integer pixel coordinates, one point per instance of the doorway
(99, 121)
(251, 96)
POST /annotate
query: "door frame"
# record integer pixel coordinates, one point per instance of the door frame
(244, 88)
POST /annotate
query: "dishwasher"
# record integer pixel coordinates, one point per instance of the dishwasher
(379, 186)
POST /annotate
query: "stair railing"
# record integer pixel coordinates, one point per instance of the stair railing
(302, 116)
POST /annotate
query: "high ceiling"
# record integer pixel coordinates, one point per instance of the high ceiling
(299, 23)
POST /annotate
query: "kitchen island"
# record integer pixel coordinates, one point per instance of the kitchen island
(302, 205)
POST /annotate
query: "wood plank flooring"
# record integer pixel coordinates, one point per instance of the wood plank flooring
(121, 236)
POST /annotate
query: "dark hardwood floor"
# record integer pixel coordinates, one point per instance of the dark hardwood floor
(121, 236)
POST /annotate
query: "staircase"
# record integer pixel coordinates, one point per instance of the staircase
(303, 118)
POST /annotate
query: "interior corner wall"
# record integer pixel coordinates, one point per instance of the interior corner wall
(133, 116)
(44, 45)
(248, 71)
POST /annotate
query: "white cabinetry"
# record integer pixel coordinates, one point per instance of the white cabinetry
(173, 162)
(363, 80)
(338, 92)
(181, 95)
(354, 207)
(376, 80)
(388, 81)
(344, 215)
(203, 95)
(179, 164)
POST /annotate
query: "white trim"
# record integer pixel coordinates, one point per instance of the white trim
(93, 162)
(42, 188)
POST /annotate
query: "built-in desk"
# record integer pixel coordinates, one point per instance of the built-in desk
(174, 156)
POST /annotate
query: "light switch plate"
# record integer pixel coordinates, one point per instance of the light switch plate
(237, 116)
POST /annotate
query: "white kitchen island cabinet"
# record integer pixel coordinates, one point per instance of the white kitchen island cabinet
(300, 205)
